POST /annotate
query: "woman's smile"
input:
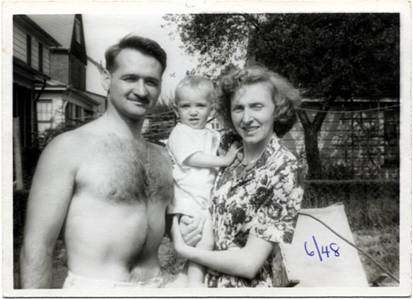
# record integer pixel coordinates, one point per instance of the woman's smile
(250, 130)
(252, 112)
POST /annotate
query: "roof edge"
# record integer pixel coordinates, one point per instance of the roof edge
(29, 24)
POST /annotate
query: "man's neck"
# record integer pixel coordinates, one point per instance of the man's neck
(121, 125)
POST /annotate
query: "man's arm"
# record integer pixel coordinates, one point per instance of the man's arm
(49, 199)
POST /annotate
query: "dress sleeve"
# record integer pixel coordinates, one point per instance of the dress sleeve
(277, 213)
(183, 142)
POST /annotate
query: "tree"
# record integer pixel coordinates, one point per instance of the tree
(328, 56)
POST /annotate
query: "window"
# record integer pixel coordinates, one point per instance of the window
(44, 111)
(40, 57)
(78, 114)
(88, 115)
(69, 113)
(29, 49)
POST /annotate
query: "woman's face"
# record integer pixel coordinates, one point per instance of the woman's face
(252, 113)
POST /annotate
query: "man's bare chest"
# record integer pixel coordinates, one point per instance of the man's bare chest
(121, 171)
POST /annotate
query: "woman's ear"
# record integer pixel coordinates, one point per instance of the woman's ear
(105, 79)
(212, 113)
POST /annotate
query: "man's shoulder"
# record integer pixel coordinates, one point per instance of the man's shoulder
(157, 149)
(71, 141)
(159, 153)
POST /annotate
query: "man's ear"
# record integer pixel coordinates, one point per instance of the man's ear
(105, 79)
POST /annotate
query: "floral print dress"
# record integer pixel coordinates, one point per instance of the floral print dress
(262, 201)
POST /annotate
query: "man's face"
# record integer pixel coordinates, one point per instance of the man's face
(134, 84)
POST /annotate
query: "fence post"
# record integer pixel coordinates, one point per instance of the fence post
(17, 154)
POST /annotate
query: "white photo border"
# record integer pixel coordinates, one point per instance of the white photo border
(9, 8)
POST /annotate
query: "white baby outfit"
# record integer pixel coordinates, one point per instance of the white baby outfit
(192, 185)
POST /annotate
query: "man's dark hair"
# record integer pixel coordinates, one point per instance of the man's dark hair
(144, 45)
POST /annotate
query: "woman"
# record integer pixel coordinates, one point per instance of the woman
(255, 200)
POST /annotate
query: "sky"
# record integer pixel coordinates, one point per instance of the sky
(102, 31)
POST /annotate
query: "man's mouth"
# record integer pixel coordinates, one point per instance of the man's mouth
(139, 101)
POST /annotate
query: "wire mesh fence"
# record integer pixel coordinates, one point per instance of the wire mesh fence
(368, 203)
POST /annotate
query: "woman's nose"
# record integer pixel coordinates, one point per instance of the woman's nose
(246, 116)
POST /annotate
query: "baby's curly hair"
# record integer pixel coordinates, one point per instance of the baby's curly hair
(285, 97)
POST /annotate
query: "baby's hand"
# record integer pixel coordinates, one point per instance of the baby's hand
(232, 152)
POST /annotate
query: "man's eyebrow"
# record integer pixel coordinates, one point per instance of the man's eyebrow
(131, 75)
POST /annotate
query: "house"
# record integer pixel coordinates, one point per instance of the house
(65, 98)
(49, 82)
(31, 66)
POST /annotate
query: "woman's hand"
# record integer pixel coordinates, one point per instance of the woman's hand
(191, 229)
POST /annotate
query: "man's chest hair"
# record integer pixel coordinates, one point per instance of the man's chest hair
(126, 171)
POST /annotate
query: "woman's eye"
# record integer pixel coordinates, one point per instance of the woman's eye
(237, 109)
(257, 106)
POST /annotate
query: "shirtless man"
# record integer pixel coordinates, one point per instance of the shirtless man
(104, 185)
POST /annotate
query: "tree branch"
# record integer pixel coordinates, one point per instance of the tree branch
(320, 116)
(254, 22)
(302, 115)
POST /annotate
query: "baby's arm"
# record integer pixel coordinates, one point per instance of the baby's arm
(204, 160)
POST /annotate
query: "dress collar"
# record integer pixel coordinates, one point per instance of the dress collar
(272, 147)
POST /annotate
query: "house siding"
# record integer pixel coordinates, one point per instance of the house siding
(35, 53)
(19, 43)
(78, 73)
(46, 60)
(60, 67)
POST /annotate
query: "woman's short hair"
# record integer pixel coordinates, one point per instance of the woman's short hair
(198, 83)
(144, 45)
(285, 97)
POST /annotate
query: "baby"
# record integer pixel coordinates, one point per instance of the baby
(193, 148)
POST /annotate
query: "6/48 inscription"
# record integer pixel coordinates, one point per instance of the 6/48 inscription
(326, 251)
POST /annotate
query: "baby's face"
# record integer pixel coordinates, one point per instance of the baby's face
(193, 107)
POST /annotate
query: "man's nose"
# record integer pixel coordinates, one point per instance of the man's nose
(140, 88)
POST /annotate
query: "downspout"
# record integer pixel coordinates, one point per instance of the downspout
(35, 140)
